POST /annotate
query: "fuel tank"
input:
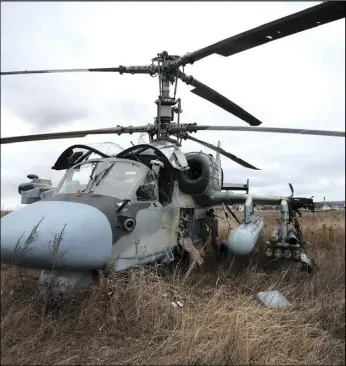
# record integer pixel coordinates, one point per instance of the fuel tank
(242, 240)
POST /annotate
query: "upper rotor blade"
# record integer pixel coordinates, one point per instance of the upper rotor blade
(213, 96)
(147, 69)
(73, 134)
(223, 152)
(323, 13)
(192, 128)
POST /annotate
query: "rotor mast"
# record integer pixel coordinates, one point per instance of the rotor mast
(167, 105)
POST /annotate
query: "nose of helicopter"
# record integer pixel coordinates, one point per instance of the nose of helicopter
(55, 234)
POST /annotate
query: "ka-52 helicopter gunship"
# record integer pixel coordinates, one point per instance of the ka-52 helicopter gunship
(150, 203)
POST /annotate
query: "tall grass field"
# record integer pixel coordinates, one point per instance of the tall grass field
(129, 318)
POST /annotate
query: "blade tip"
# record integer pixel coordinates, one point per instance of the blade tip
(257, 123)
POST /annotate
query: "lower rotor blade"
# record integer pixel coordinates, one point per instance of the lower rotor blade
(73, 134)
(223, 152)
(115, 69)
(146, 69)
(213, 96)
(194, 128)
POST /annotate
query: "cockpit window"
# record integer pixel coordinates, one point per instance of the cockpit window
(108, 148)
(105, 177)
(119, 181)
(76, 179)
(148, 191)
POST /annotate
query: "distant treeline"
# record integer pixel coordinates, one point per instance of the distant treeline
(329, 203)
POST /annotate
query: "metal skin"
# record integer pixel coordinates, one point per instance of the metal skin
(243, 239)
(71, 235)
(73, 232)
(56, 234)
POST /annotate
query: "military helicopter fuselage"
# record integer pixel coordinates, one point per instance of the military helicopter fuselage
(121, 211)
(140, 206)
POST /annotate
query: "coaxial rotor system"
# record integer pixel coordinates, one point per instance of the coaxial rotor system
(170, 68)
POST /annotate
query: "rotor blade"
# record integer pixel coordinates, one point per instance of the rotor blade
(213, 96)
(194, 128)
(147, 69)
(73, 134)
(223, 152)
(291, 189)
(323, 13)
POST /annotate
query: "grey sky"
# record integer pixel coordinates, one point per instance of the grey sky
(298, 81)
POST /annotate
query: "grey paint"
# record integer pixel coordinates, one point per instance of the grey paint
(86, 240)
(192, 127)
(157, 258)
(231, 197)
(147, 234)
(173, 154)
(242, 240)
(47, 194)
(155, 233)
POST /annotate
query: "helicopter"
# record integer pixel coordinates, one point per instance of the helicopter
(150, 203)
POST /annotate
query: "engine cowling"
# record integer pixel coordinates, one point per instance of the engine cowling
(196, 179)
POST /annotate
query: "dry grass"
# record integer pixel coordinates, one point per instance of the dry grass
(4, 212)
(129, 318)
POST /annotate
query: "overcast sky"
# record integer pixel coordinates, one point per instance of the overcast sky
(298, 81)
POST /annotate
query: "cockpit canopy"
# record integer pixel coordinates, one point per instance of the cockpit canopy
(114, 177)
(168, 153)
(78, 153)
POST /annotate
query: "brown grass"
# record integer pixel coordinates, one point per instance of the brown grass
(4, 212)
(129, 318)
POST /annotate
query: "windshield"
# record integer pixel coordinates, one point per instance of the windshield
(104, 177)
